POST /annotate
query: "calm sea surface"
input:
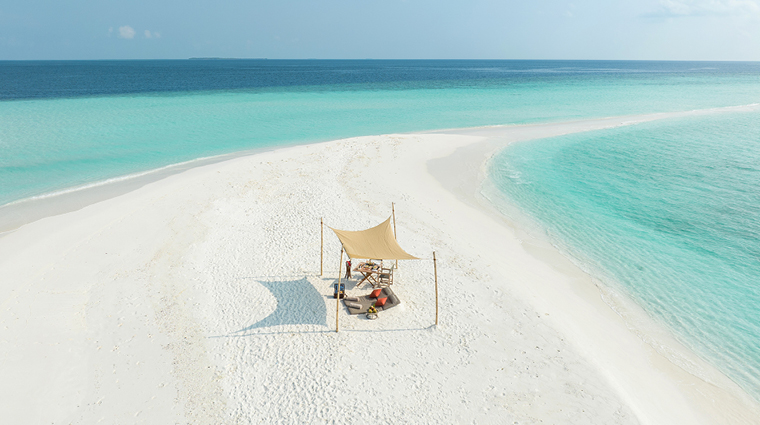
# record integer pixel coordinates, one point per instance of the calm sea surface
(668, 212)
(65, 124)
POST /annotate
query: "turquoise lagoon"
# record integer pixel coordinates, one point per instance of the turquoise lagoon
(66, 124)
(669, 213)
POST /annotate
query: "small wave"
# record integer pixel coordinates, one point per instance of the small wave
(106, 182)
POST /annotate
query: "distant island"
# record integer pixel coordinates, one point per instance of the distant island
(207, 59)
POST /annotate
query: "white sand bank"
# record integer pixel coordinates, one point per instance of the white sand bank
(197, 299)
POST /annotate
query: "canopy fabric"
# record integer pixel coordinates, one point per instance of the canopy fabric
(377, 243)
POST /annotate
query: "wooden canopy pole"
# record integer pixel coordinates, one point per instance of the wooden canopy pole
(321, 244)
(435, 273)
(393, 212)
(337, 299)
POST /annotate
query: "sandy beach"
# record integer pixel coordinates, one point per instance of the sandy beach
(197, 298)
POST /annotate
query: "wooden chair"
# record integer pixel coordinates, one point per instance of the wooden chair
(386, 276)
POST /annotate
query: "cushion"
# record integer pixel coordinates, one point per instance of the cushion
(351, 298)
(381, 302)
(375, 293)
(393, 299)
(353, 305)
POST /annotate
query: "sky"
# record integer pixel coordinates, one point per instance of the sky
(387, 29)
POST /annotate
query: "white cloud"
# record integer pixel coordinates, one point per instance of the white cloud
(126, 32)
(154, 34)
(708, 7)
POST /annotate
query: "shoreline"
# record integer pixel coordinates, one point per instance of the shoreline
(695, 376)
(27, 210)
(154, 274)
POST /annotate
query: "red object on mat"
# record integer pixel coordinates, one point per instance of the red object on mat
(375, 293)
(381, 302)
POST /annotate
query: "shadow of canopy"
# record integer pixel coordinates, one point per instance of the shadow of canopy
(298, 303)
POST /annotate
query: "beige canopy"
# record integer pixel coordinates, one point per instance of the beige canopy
(377, 243)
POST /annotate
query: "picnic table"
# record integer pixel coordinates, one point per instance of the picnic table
(370, 271)
(374, 273)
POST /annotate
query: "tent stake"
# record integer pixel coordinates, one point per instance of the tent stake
(321, 244)
(337, 299)
(435, 273)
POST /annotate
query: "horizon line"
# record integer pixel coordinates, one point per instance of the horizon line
(212, 58)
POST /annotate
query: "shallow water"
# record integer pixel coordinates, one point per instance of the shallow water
(65, 124)
(669, 212)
